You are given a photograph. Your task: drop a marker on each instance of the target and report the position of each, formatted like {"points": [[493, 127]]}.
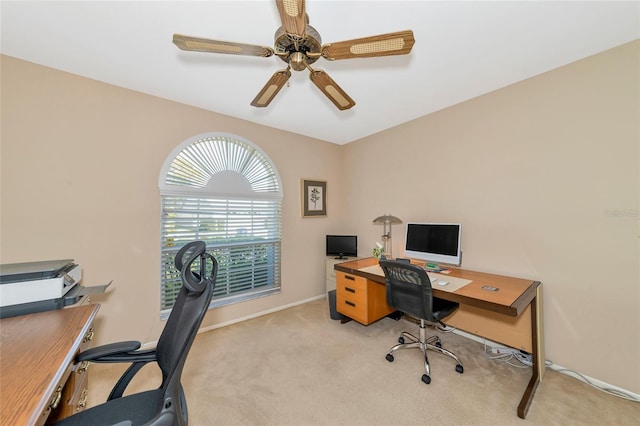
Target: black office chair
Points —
{"points": [[408, 290], [165, 405]]}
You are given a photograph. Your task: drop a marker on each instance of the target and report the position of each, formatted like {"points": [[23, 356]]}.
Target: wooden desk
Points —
{"points": [[37, 354], [512, 315]]}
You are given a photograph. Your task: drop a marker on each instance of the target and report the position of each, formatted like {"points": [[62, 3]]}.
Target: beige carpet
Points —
{"points": [[299, 367]]}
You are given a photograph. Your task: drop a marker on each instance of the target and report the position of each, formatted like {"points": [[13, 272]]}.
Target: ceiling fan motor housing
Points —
{"points": [[295, 51]]}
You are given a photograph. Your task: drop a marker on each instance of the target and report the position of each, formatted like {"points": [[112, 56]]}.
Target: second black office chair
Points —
{"points": [[165, 406], [408, 290]]}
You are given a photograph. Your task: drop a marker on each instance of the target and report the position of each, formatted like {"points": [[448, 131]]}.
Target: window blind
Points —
{"points": [[243, 235]]}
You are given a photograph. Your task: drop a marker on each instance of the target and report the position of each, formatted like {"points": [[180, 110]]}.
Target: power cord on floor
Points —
{"points": [[525, 361], [444, 327], [574, 374]]}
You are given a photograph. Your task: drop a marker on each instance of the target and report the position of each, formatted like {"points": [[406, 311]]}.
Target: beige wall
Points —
{"points": [[80, 167], [543, 175]]}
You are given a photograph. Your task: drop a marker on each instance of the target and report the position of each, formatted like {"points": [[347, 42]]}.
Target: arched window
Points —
{"points": [[222, 189]]}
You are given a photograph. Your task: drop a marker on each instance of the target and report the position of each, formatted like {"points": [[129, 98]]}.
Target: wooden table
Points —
{"points": [[512, 315], [37, 354]]}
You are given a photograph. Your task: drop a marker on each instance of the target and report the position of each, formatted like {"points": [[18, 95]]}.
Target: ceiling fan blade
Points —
{"points": [[217, 46], [271, 89], [329, 87], [398, 43], [293, 16]]}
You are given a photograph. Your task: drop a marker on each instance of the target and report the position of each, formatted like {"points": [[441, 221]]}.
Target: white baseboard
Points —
{"points": [[151, 345], [259, 314], [560, 369]]}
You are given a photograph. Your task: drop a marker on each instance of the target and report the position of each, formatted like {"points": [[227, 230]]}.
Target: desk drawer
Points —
{"points": [[54, 403], [354, 310], [350, 283], [353, 291], [351, 296], [360, 299], [75, 390]]}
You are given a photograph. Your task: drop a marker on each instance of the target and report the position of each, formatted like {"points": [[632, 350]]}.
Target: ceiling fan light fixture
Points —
{"points": [[297, 61]]}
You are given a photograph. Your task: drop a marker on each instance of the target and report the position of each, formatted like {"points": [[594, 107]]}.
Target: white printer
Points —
{"points": [[41, 286]]}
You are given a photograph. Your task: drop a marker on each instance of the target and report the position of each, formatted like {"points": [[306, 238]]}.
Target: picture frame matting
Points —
{"points": [[314, 198]]}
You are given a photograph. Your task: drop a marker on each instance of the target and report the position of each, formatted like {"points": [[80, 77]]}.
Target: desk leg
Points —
{"points": [[538, 358]]}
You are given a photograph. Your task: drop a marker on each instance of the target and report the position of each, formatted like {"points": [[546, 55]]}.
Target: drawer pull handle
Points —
{"points": [[350, 303], [88, 336], [55, 399], [83, 400], [82, 368], [350, 290], [349, 277]]}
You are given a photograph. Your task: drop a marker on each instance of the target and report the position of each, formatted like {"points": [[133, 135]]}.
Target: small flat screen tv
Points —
{"points": [[342, 246], [434, 242]]}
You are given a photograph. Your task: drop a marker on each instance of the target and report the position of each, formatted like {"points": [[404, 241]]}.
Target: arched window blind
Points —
{"points": [[225, 191]]}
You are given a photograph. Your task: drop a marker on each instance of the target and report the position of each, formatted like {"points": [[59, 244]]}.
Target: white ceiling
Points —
{"points": [[462, 50]]}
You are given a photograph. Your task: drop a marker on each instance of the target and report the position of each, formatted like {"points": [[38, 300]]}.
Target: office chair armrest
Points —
{"points": [[110, 350], [137, 357]]}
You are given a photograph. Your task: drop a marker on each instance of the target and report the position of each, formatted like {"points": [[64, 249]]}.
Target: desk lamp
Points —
{"points": [[387, 220]]}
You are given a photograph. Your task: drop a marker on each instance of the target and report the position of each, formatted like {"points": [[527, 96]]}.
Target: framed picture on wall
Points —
{"points": [[314, 198]]}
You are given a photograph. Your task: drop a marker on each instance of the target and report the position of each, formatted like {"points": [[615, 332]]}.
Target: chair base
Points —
{"points": [[423, 343]]}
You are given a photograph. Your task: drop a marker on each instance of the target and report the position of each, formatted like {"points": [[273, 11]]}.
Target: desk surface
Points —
{"points": [[512, 298], [36, 352]]}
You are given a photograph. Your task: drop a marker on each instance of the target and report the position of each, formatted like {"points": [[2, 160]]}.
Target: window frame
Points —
{"points": [[192, 176]]}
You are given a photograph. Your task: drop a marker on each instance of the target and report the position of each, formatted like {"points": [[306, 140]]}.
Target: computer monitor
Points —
{"points": [[434, 242], [342, 246]]}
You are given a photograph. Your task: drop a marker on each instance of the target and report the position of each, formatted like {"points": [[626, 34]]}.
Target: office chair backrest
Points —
{"points": [[408, 289], [187, 314]]}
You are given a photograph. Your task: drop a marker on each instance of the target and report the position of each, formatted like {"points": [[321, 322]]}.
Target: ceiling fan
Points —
{"points": [[299, 45]]}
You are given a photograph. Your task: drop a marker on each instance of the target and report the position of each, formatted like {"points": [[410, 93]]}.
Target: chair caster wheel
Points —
{"points": [[459, 369], [401, 340], [426, 379], [395, 315], [389, 357]]}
